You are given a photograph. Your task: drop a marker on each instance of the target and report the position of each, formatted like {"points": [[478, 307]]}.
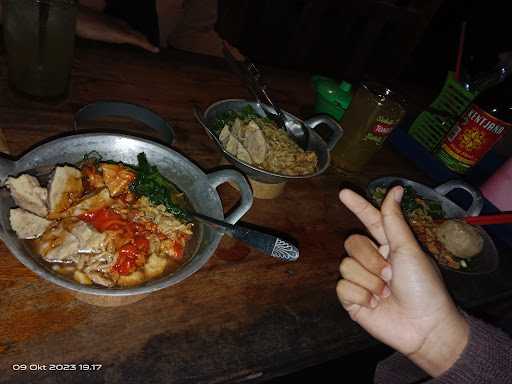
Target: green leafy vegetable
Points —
{"points": [[411, 201], [227, 118], [150, 183], [379, 194]]}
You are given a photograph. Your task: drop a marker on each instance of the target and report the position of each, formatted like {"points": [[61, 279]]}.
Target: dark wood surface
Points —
{"points": [[244, 316]]}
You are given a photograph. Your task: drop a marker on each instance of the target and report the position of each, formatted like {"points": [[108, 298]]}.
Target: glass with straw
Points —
{"points": [[39, 38]]}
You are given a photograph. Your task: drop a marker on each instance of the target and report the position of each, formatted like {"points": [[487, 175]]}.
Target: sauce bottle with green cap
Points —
{"points": [[331, 98]]}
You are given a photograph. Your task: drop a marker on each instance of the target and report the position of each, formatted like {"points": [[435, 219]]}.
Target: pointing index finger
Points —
{"points": [[367, 213]]}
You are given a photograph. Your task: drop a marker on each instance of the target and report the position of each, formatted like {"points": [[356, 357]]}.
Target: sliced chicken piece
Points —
{"points": [[101, 262], [63, 250], [224, 135], [58, 244], [26, 224], [91, 241], [237, 129], [92, 202], [232, 145], [255, 143], [65, 189], [236, 148], [117, 178], [28, 194], [243, 154]]}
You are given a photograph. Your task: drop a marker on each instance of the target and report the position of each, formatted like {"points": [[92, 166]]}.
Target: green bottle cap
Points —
{"points": [[331, 98], [333, 92], [345, 86]]}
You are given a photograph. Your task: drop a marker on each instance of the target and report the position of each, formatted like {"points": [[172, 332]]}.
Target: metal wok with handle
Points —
{"points": [[316, 143], [488, 260], [200, 189]]}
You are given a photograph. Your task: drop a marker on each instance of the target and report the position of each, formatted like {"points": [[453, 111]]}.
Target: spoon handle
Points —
{"points": [[251, 76], [500, 218], [268, 244]]}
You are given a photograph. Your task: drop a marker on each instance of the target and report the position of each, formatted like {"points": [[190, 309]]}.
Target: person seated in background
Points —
{"points": [[393, 290], [188, 25]]}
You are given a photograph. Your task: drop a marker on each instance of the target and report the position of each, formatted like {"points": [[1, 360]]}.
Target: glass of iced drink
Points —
{"points": [[39, 38], [374, 112]]}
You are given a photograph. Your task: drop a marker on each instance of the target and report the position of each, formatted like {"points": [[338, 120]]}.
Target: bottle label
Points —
{"points": [[471, 138], [379, 132]]}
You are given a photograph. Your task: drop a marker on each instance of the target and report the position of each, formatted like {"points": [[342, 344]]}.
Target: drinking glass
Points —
{"points": [[374, 112], [39, 39]]}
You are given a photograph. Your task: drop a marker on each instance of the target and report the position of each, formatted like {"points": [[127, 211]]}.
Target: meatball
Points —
{"points": [[460, 238]]}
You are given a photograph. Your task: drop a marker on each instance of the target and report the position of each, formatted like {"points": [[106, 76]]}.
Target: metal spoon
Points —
{"points": [[251, 77]]}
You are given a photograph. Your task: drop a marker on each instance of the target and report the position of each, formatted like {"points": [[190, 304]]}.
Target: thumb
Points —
{"points": [[399, 234]]}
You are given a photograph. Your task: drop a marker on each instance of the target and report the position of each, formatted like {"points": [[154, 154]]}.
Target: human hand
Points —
{"points": [[97, 26], [395, 291]]}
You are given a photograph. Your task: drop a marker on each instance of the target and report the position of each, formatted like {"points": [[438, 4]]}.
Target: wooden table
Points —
{"points": [[244, 315]]}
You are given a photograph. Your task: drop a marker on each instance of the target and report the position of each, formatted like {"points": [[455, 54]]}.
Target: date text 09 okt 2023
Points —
{"points": [[56, 367]]}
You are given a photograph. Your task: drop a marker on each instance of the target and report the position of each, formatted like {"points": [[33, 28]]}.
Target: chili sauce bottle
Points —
{"points": [[483, 124]]}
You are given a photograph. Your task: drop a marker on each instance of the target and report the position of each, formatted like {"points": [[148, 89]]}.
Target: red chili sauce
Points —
{"points": [[131, 255]]}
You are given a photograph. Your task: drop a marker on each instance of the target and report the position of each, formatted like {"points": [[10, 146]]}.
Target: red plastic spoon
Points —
{"points": [[500, 218]]}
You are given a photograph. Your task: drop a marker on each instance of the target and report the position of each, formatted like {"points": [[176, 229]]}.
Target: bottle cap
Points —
{"points": [[338, 94], [345, 86]]}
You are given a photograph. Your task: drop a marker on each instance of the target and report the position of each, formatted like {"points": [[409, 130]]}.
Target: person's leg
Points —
{"points": [[195, 31], [170, 13]]}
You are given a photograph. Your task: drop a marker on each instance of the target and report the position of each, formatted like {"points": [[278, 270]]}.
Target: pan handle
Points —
{"points": [[101, 109], [226, 175], [477, 201], [334, 127]]}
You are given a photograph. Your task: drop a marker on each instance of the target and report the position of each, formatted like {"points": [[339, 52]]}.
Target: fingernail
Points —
{"points": [[398, 193], [386, 273], [342, 194], [386, 292], [373, 302], [384, 251]]}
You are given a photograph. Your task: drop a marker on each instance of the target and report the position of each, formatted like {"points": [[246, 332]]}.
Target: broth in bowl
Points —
{"points": [[104, 223]]}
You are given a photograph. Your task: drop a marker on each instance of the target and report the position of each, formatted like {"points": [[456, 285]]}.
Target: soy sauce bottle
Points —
{"points": [[483, 124]]}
